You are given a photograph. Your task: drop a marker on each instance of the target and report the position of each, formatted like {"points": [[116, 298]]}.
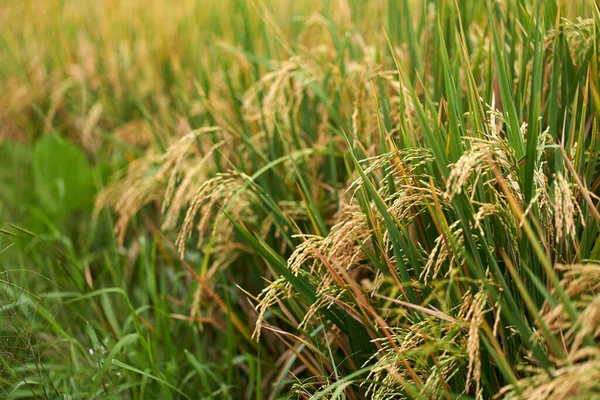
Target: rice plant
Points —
{"points": [[300, 199]]}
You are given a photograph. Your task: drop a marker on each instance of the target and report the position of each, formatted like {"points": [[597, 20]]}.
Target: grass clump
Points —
{"points": [[300, 199]]}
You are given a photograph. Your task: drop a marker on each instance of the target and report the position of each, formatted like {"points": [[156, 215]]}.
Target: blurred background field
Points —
{"points": [[294, 199]]}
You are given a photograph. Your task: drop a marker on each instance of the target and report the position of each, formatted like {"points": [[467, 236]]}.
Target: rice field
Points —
{"points": [[335, 199]]}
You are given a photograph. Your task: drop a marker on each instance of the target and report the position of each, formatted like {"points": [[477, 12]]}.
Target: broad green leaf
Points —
{"points": [[63, 177]]}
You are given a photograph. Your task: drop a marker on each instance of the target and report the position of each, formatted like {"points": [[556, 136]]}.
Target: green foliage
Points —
{"points": [[63, 178]]}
